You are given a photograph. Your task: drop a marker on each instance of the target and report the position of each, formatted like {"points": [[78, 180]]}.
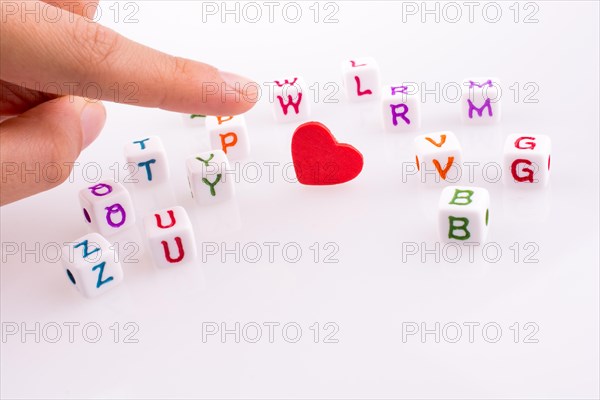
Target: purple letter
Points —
{"points": [[479, 110], [114, 209], [473, 84], [402, 114], [401, 89], [96, 189]]}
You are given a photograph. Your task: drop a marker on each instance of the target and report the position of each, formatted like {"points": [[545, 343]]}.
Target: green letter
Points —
{"points": [[462, 227], [212, 184], [206, 161], [464, 200]]}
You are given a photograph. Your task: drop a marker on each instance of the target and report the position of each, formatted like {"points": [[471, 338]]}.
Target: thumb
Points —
{"points": [[38, 147]]}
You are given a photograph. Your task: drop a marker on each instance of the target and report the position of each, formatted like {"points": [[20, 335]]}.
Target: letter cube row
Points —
{"points": [[438, 157]]}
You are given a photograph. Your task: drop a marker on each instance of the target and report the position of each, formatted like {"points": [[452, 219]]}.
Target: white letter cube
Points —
{"points": [[229, 134], [207, 177], [147, 160], [480, 101], [170, 237], [91, 265], [361, 79], [527, 160], [401, 111], [107, 207], [438, 154], [291, 100], [464, 214]]}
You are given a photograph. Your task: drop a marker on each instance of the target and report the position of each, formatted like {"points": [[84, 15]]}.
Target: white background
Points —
{"points": [[370, 294]]}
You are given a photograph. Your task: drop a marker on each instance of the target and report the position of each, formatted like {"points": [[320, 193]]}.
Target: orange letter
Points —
{"points": [[442, 141], [225, 144], [443, 172], [220, 119]]}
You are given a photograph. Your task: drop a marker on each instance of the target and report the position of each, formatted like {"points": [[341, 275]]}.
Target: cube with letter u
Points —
{"points": [[170, 237], [464, 214]]}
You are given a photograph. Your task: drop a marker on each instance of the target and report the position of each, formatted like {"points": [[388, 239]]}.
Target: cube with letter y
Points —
{"points": [[207, 177]]}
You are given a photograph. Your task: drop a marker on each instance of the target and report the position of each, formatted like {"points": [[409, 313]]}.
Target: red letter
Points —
{"points": [[513, 170], [159, 220], [290, 102], [358, 91], [354, 65], [530, 144], [168, 252]]}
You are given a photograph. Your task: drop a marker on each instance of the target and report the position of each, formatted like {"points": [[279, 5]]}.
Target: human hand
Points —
{"points": [[64, 56]]}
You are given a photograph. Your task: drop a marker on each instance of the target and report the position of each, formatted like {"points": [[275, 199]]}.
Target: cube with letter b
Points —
{"points": [[91, 265], [464, 214]]}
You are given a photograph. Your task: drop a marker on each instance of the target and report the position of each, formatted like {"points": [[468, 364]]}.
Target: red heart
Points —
{"points": [[320, 160]]}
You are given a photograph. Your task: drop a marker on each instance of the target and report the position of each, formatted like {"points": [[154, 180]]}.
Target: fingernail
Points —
{"points": [[244, 86], [93, 117]]}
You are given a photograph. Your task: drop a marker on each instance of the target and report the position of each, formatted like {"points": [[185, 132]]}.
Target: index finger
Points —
{"points": [[76, 53]]}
